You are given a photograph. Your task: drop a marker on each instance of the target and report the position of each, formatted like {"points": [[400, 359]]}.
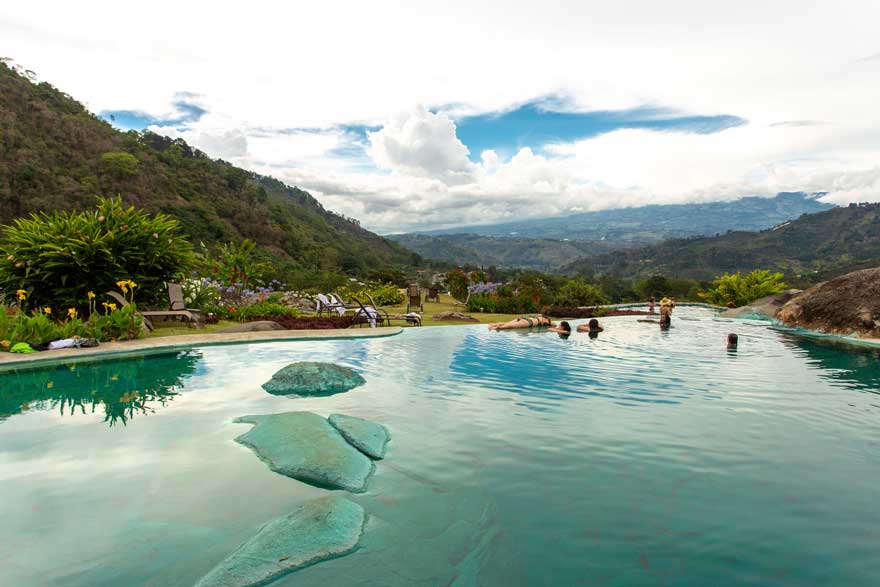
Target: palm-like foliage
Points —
{"points": [[59, 257], [735, 290]]}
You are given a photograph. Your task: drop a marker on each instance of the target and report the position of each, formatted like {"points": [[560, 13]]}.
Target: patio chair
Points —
{"points": [[329, 304], [176, 308], [414, 298], [433, 294], [372, 314]]}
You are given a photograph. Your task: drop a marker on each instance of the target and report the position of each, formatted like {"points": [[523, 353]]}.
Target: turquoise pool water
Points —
{"points": [[635, 458]]}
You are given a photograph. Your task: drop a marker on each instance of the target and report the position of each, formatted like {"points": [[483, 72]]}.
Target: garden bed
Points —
{"points": [[312, 322]]}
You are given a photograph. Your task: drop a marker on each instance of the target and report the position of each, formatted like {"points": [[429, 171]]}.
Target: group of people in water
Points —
{"points": [[593, 328]]}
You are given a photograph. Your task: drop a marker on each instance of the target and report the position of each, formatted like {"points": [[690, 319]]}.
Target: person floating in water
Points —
{"points": [[592, 326], [732, 341], [523, 322]]}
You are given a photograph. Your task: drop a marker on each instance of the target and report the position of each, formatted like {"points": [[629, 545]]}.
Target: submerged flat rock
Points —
{"points": [[311, 378], [306, 447], [324, 528], [368, 437]]}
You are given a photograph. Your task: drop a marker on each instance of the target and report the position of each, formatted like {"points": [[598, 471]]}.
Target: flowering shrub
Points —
{"points": [[248, 312], [483, 288], [45, 324], [457, 283], [505, 300]]}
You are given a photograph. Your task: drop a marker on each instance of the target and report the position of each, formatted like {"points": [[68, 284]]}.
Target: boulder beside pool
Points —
{"points": [[304, 446], [312, 378], [368, 437], [325, 528]]}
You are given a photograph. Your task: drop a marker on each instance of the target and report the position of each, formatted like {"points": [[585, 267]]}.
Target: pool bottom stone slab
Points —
{"points": [[368, 437], [325, 528], [313, 378], [304, 446]]}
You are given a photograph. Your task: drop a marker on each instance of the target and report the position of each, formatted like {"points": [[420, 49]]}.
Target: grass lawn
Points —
{"points": [[173, 328], [447, 302]]}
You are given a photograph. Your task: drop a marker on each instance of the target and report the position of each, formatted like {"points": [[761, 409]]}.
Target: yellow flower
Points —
{"points": [[112, 307], [132, 284], [71, 312], [105, 304], [4, 344], [47, 310], [22, 294], [91, 295], [123, 285]]}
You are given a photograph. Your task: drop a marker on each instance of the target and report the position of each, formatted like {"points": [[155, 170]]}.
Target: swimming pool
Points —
{"points": [[636, 458]]}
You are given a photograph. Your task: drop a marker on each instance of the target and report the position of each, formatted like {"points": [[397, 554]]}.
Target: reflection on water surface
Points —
{"points": [[121, 389]]}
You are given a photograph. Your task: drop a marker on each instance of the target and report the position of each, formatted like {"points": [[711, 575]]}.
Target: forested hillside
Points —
{"points": [[55, 155], [811, 248], [511, 252]]}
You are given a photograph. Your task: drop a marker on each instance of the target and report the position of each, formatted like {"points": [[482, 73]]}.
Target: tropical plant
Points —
{"points": [[239, 264], [578, 292], [384, 294], [735, 290], [58, 257]]}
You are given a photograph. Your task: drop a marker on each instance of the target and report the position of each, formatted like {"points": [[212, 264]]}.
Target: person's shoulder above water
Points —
{"points": [[591, 326], [563, 328]]}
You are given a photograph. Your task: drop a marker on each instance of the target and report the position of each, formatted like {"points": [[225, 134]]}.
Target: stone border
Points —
{"points": [[164, 344]]}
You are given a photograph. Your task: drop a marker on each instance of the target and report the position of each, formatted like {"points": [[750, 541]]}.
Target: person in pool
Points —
{"points": [[665, 310], [591, 327], [564, 329], [524, 322], [651, 303], [732, 341]]}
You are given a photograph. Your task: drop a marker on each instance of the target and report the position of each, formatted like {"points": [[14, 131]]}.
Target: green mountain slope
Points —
{"points": [[55, 155], [811, 248]]}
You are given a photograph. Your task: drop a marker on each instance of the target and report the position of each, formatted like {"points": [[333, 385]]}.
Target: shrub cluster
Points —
{"points": [[384, 294], [57, 258], [738, 290], [250, 312]]}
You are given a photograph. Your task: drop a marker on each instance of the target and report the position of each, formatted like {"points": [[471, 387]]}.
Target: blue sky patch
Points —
{"points": [[186, 111], [538, 122]]}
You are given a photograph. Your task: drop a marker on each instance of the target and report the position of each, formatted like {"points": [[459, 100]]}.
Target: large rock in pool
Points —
{"points": [[305, 446], [325, 528], [849, 304], [763, 308], [368, 437], [308, 378]]}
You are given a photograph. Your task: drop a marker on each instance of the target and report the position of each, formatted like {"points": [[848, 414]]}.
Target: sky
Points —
{"points": [[414, 115]]}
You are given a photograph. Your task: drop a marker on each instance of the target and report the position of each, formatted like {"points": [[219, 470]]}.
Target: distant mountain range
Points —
{"points": [[657, 222], [811, 248], [550, 243]]}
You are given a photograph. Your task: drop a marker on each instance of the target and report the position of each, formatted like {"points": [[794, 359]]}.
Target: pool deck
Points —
{"points": [[184, 342]]}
